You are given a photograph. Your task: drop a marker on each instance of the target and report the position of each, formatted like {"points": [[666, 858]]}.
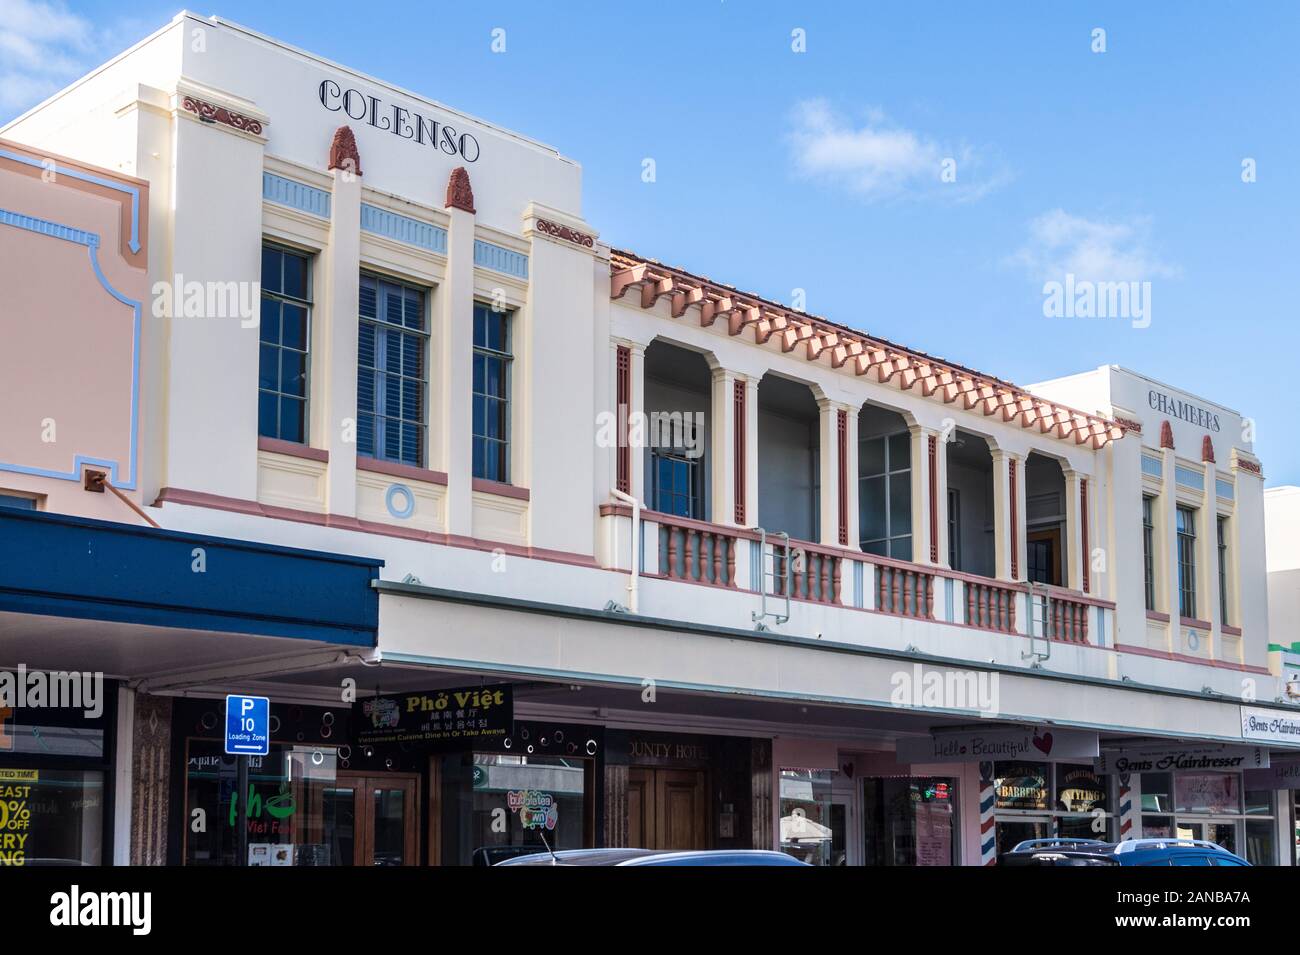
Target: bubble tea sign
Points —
{"points": [[537, 809]]}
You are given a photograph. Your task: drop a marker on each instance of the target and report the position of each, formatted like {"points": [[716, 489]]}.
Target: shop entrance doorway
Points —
{"points": [[667, 809], [373, 820], [1012, 830]]}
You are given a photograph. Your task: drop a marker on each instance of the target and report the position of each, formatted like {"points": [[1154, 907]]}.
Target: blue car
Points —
{"points": [[1144, 852], [1174, 852]]}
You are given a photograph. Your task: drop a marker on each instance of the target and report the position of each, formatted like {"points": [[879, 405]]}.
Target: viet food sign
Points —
{"points": [[435, 718]]}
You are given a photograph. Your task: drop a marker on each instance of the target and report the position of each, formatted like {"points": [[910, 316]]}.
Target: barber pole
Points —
{"points": [[1125, 807], [988, 842]]}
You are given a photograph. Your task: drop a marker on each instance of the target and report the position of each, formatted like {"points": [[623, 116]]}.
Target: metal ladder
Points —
{"points": [[774, 567]]}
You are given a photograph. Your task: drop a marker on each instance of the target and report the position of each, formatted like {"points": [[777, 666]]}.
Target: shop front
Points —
{"points": [[1229, 795], [56, 791], [845, 806], [682, 791], [370, 785]]}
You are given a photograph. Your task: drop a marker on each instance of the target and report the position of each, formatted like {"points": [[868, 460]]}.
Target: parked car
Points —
{"points": [[621, 857], [1143, 852], [1070, 852], [1175, 852]]}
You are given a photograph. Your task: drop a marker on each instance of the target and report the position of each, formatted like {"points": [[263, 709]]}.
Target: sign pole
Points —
{"points": [[241, 796]]}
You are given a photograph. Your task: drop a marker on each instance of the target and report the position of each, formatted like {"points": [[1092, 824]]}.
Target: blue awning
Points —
{"points": [[63, 566]]}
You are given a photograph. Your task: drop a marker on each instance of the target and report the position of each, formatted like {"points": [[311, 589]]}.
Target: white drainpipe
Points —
{"points": [[635, 565]]}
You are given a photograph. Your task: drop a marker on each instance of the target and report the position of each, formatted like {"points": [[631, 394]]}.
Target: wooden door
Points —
{"points": [[641, 825], [667, 809], [682, 816], [1045, 557], [384, 818]]}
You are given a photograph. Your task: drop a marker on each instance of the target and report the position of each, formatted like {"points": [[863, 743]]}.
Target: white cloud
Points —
{"points": [[1061, 244], [878, 161], [43, 47]]}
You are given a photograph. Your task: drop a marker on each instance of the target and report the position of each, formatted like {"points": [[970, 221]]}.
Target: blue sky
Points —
{"points": [[778, 170]]}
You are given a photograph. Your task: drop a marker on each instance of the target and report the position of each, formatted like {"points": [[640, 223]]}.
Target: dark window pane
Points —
{"points": [[271, 269], [900, 505], [366, 345], [901, 548], [293, 426], [480, 456], [294, 326], [268, 410], [295, 275], [269, 368], [872, 507], [269, 323], [872, 456], [412, 356], [293, 372], [366, 435], [366, 298], [900, 451]]}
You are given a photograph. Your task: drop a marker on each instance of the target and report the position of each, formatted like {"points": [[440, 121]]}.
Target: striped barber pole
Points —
{"points": [[988, 842], [1126, 806]]}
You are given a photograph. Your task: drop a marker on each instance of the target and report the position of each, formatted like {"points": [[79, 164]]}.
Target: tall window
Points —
{"points": [[885, 495], [392, 382], [1186, 562], [1223, 570], [286, 336], [1149, 550], [676, 484], [491, 393]]}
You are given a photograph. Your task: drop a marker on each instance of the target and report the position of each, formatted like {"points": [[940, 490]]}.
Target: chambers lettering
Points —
{"points": [[398, 120]]}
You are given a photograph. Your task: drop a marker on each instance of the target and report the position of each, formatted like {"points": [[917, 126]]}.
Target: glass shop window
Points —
{"points": [[51, 817], [1021, 785], [291, 819]]}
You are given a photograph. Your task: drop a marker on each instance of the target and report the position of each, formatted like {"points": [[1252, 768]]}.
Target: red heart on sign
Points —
{"points": [[1043, 743]]}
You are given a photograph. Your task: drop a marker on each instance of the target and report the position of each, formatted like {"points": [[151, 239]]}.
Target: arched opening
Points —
{"points": [[884, 483], [971, 539], [676, 431], [788, 458], [1045, 550]]}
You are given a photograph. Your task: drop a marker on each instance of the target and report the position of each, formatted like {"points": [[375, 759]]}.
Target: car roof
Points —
{"points": [[579, 857], [627, 857]]}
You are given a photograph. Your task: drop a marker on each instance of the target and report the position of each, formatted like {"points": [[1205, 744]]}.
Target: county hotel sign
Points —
{"points": [[363, 107]]}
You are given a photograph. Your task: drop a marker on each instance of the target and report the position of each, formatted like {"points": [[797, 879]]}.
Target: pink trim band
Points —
{"points": [[1184, 658], [484, 486], [292, 449], [174, 495], [394, 469]]}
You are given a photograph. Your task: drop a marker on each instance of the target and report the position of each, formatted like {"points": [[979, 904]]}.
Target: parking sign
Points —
{"points": [[248, 725]]}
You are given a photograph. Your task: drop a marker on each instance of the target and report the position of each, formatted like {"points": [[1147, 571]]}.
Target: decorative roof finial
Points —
{"points": [[343, 151], [460, 195], [1166, 435], [1207, 450]]}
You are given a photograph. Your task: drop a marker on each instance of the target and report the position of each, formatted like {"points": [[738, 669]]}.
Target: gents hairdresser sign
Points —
{"points": [[1031, 743], [1191, 756], [1269, 725], [363, 106], [435, 718]]}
